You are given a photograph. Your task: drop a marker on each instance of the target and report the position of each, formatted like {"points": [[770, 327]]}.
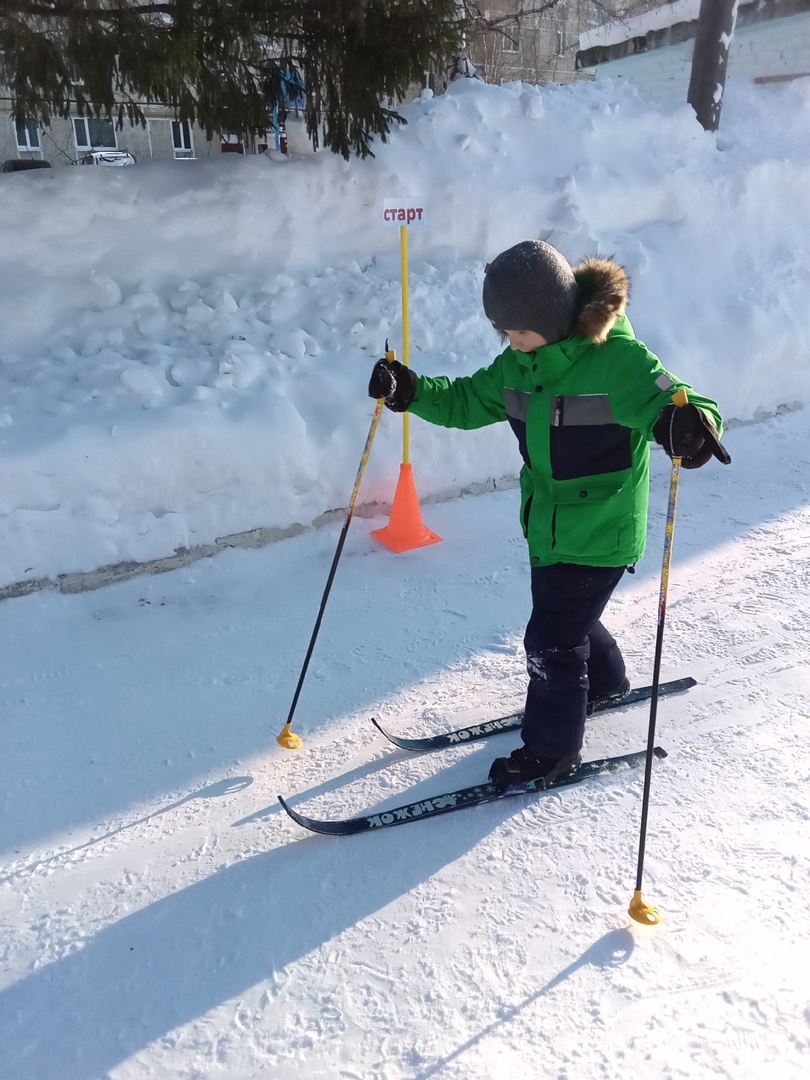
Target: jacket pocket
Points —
{"points": [[591, 515], [526, 496]]}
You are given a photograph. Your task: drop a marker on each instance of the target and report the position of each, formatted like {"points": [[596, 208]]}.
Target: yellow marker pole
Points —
{"points": [[638, 910], [406, 353], [405, 529]]}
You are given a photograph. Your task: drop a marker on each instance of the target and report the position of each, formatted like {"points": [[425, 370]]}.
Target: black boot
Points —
{"points": [[612, 697], [522, 765]]}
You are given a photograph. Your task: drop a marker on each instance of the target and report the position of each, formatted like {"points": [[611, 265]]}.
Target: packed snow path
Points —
{"points": [[161, 917]]}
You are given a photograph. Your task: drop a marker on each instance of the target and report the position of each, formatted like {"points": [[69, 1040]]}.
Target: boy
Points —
{"points": [[584, 398]]}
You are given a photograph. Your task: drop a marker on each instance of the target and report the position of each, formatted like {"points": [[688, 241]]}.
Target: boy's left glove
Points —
{"points": [[393, 382], [685, 431]]}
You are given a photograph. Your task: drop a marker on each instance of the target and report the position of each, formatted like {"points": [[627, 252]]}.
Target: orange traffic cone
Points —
{"points": [[405, 530]]}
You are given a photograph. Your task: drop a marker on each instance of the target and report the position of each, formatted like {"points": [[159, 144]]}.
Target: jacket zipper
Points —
{"points": [[556, 421]]}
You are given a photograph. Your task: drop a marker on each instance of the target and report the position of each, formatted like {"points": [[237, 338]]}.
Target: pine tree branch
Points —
{"points": [[224, 66]]}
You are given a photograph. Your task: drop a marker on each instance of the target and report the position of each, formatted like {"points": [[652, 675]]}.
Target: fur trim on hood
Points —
{"points": [[605, 290]]}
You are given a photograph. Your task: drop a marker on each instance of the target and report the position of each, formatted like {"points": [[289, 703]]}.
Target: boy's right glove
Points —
{"points": [[393, 382], [685, 431]]}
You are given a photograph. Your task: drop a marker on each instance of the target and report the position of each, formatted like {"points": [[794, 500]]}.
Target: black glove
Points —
{"points": [[685, 431], [394, 382]]}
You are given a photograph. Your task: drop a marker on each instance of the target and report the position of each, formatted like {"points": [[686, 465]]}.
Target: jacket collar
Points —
{"points": [[555, 361]]}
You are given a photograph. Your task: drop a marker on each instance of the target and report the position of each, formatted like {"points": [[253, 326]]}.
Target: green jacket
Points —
{"points": [[583, 414]]}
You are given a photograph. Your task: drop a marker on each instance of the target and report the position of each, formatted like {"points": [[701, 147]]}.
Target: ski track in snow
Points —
{"points": [[161, 917]]}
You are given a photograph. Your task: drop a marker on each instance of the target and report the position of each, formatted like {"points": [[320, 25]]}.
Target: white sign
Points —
{"points": [[404, 211]]}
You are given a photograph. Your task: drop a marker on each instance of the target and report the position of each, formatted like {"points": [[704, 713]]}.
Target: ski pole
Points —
{"points": [[287, 737], [638, 910]]}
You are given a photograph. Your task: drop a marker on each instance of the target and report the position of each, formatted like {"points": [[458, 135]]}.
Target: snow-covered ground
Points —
{"points": [[187, 358]]}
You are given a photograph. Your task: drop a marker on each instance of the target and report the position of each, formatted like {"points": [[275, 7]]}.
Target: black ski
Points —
{"points": [[464, 797], [514, 720]]}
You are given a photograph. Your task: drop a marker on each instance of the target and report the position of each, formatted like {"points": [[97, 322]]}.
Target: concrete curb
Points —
{"points": [[261, 536]]}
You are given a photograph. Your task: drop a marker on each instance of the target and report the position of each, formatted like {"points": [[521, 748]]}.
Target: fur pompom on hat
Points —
{"points": [[531, 286]]}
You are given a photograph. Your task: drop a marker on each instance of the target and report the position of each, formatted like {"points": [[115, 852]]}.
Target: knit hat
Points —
{"points": [[531, 286]]}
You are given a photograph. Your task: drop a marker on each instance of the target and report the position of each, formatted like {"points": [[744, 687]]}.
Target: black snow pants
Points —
{"points": [[568, 653]]}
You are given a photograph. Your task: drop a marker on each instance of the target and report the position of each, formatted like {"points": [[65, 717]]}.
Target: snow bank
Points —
{"points": [[185, 346]]}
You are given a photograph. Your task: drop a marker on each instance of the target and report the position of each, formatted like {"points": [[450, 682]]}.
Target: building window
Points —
{"points": [[27, 135], [94, 133], [231, 143], [510, 41], [181, 137]]}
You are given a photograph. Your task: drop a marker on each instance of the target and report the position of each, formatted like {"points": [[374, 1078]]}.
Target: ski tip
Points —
{"points": [[387, 734], [289, 810], [326, 828], [299, 819], [660, 752], [403, 744]]}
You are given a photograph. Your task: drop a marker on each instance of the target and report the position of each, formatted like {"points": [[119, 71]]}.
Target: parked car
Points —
{"points": [[108, 157], [21, 164]]}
